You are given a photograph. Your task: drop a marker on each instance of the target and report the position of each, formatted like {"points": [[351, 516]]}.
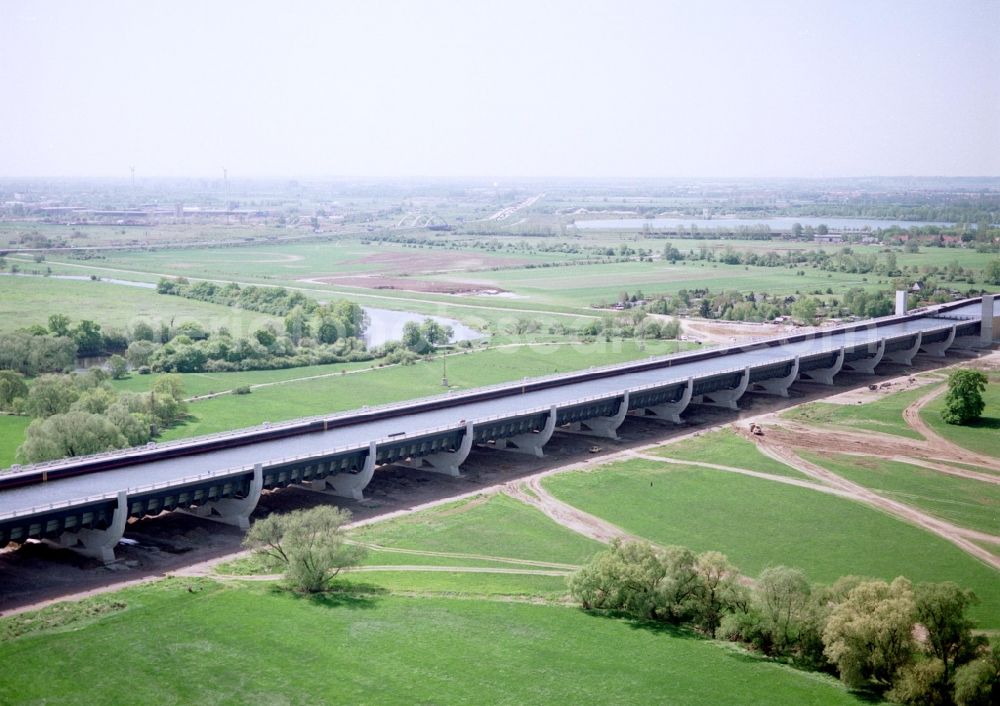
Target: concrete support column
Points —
{"points": [[445, 462], [989, 330], [905, 356], [900, 302], [234, 511], [938, 348], [347, 485], [825, 375], [867, 365], [727, 398], [779, 386], [99, 543], [606, 427], [531, 443], [671, 411]]}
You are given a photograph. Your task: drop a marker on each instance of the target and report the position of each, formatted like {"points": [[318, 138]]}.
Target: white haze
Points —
{"points": [[503, 88]]}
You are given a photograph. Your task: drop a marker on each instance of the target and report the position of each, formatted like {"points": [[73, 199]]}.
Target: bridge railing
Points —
{"points": [[138, 451]]}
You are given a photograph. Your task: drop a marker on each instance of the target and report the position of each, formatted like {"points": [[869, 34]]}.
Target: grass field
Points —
{"points": [[30, 300], [256, 645], [964, 502], [492, 526], [983, 436], [758, 523], [11, 436], [884, 414], [585, 284], [725, 448], [392, 384]]}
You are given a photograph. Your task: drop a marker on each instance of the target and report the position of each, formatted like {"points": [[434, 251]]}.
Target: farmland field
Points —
{"points": [[30, 300]]}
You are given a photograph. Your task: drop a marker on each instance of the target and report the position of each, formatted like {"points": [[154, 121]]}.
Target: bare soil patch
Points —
{"points": [[407, 284]]}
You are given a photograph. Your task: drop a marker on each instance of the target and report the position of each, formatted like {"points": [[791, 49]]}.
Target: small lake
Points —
{"points": [[781, 223], [387, 325]]}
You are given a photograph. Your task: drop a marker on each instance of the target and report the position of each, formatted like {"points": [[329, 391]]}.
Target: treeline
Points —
{"points": [[912, 644], [80, 413], [276, 301]]}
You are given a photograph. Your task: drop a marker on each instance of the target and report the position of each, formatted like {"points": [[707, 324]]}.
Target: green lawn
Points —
{"points": [[11, 436], [983, 436], [725, 448], [30, 300], [883, 414], [758, 523], [393, 384], [207, 383], [966, 503], [496, 526], [252, 644], [550, 588]]}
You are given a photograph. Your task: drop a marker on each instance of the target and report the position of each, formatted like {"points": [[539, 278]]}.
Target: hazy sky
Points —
{"points": [[506, 88]]}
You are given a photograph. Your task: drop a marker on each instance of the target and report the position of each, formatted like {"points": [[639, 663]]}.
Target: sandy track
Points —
{"points": [[958, 536], [532, 493], [478, 557], [912, 416]]}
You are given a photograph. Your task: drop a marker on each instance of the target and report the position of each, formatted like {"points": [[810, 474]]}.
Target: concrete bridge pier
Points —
{"points": [[347, 485], [447, 462], [825, 375], [905, 357], [671, 411], [233, 511], [727, 398], [98, 543], [989, 329], [606, 427], [531, 443], [779, 386], [938, 348], [868, 365]]}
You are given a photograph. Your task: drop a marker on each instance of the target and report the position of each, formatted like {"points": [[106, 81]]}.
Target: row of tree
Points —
{"points": [[914, 644], [80, 413]]}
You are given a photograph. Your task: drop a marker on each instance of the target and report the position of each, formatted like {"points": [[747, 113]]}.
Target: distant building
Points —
{"points": [[828, 238]]}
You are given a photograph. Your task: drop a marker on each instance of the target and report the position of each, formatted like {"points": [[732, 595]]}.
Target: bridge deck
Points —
{"points": [[165, 470]]}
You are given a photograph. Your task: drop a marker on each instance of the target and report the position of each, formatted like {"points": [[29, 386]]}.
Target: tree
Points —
{"points": [[166, 400], [991, 273], [978, 683], [869, 635], [782, 597], [139, 352], [12, 387], [118, 367], [941, 610], [413, 338], [87, 335], [71, 434], [297, 324], [804, 310], [718, 587], [59, 324], [964, 402], [308, 543], [50, 394], [434, 333]]}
